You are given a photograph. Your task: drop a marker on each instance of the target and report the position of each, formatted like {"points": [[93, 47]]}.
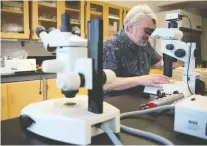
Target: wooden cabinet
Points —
{"points": [[76, 11], [15, 19], [21, 94], [114, 20], [156, 71], [96, 10], [4, 107], [52, 90], [46, 13], [125, 11]]}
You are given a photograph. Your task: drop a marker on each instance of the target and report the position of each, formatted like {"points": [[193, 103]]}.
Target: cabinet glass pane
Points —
{"points": [[47, 14], [12, 17], [74, 10], [96, 12], [114, 21], [96, 8]]}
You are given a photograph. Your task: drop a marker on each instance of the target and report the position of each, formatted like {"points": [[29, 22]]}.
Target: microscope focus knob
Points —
{"points": [[180, 53], [169, 46]]}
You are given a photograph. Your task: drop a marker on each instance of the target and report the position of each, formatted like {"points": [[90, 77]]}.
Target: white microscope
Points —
{"points": [[73, 120], [173, 48]]}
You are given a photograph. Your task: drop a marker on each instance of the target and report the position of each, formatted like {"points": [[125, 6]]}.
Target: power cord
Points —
{"points": [[110, 134], [137, 132], [189, 56]]}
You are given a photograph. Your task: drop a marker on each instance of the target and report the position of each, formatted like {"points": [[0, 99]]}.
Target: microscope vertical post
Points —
{"points": [[95, 51], [168, 60]]}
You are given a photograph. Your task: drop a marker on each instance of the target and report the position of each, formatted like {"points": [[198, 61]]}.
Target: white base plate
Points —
{"points": [[58, 120], [179, 86]]}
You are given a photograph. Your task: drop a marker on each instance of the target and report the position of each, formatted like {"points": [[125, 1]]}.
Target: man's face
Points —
{"points": [[137, 31]]}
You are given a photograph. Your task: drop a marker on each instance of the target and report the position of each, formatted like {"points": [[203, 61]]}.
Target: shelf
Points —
{"points": [[75, 23], [96, 13], [47, 20], [73, 10], [47, 5], [114, 17], [11, 11]]}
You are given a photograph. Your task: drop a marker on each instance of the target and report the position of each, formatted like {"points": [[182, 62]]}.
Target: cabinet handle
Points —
{"points": [[2, 100]]}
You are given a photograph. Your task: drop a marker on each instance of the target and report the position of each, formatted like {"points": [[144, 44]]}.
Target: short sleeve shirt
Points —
{"points": [[127, 59]]}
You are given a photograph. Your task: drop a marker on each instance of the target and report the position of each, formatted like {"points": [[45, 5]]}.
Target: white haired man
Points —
{"points": [[130, 55]]}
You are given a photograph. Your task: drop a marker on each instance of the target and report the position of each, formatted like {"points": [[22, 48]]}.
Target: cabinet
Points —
{"points": [[114, 19], [47, 14], [52, 90], [4, 107], [76, 11], [15, 19], [96, 10], [21, 94], [125, 11], [156, 71]]}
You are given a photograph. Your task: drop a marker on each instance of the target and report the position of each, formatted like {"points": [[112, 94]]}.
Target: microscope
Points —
{"points": [[174, 49], [75, 118]]}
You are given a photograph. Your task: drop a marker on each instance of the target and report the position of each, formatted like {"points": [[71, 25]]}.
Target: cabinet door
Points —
{"points": [[4, 107], [156, 71], [21, 94], [47, 14], [52, 90], [15, 19], [126, 10], [76, 11], [96, 10], [114, 20], [83, 91]]}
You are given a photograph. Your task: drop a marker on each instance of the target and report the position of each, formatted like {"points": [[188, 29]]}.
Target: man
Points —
{"points": [[130, 55]]}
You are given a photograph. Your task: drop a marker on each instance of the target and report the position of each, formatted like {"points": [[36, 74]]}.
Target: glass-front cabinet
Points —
{"points": [[114, 19], [45, 13], [15, 19], [76, 11]]}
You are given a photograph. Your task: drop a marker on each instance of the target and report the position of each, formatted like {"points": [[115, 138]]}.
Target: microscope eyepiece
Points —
{"points": [[50, 29], [39, 29]]}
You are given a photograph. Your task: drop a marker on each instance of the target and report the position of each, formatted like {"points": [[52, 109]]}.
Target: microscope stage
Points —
{"points": [[68, 119]]}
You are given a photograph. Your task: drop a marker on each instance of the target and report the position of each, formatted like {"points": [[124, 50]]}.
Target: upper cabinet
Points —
{"points": [[45, 13], [21, 18], [95, 10], [113, 19], [15, 19], [76, 11], [126, 10]]}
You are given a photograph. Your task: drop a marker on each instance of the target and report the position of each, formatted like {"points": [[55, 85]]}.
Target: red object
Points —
{"points": [[152, 105]]}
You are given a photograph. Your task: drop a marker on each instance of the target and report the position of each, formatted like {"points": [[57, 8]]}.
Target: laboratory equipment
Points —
{"points": [[174, 49], [74, 119]]}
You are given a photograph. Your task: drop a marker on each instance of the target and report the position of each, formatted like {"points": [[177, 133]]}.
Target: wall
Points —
{"points": [[13, 48]]}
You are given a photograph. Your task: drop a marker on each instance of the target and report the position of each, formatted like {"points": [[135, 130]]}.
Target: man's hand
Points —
{"points": [[178, 64], [153, 80]]}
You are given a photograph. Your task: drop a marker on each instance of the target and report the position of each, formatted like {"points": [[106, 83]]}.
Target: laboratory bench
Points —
{"points": [[158, 123], [23, 88], [26, 76]]}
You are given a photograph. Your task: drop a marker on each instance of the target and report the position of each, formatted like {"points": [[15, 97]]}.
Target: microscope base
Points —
{"points": [[179, 86], [68, 119]]}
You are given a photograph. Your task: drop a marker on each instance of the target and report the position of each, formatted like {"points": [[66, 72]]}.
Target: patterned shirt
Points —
{"points": [[127, 59]]}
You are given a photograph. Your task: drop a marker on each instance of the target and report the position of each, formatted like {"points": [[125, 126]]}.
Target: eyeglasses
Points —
{"points": [[148, 31]]}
